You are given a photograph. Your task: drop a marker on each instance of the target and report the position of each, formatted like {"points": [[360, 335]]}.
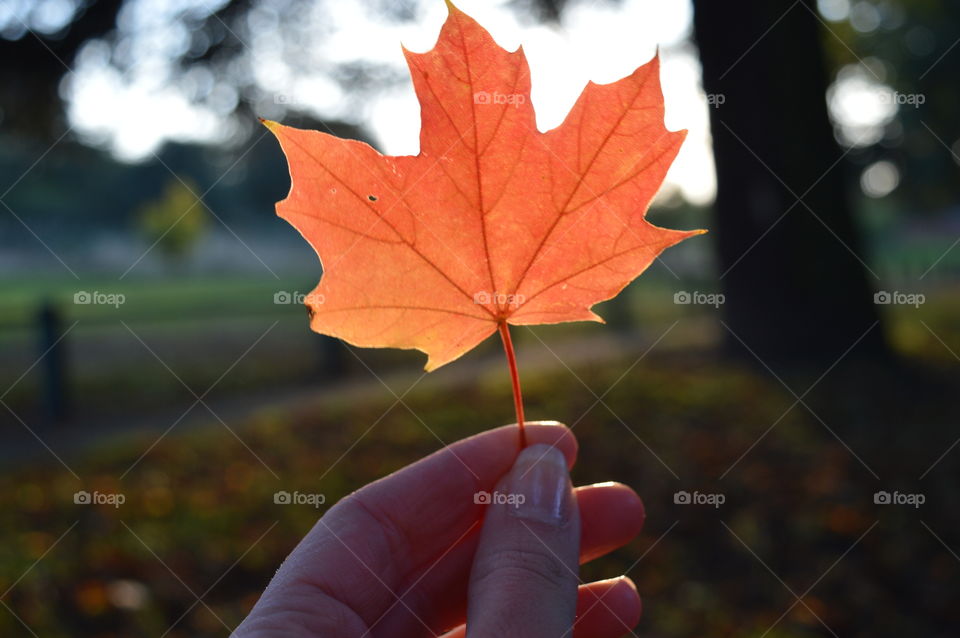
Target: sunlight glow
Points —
{"points": [[135, 111], [861, 105]]}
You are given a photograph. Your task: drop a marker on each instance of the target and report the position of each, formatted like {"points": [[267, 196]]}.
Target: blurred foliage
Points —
{"points": [[35, 55], [176, 221], [39, 46], [64, 195], [199, 512], [912, 47]]}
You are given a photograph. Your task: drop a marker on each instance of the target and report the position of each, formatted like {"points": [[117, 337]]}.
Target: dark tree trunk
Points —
{"points": [[796, 289]]}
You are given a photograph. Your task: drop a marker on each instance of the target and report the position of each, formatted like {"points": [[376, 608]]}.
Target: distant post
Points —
{"points": [[331, 359], [53, 385], [618, 313]]}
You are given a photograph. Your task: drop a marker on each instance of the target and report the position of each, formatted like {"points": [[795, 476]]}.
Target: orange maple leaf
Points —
{"points": [[493, 223]]}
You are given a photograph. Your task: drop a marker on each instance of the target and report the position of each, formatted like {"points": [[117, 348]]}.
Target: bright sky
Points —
{"points": [[596, 41], [134, 113]]}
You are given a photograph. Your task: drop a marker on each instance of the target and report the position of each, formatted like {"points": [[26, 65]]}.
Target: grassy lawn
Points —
{"points": [[798, 479], [199, 328], [680, 419]]}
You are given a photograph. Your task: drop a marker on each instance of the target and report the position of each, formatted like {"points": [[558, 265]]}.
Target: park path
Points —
{"points": [[73, 441]]}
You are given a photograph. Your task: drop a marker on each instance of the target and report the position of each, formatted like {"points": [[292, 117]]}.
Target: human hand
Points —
{"points": [[412, 554]]}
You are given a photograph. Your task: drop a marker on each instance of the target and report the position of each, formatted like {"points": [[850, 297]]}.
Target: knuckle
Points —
{"points": [[309, 612], [392, 535], [520, 568]]}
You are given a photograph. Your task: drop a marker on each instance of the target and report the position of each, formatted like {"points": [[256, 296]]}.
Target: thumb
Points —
{"points": [[524, 577]]}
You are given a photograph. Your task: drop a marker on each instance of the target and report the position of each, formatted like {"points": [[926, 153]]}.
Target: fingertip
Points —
{"points": [[634, 513], [627, 599], [609, 607], [631, 512], [552, 433], [547, 422], [612, 515]]}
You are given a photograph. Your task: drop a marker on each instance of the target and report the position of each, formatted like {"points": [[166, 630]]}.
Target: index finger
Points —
{"points": [[429, 504], [366, 547]]}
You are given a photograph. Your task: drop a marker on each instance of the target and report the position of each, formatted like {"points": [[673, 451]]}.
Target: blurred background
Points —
{"points": [[781, 391]]}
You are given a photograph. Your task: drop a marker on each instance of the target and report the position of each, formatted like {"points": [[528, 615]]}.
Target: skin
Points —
{"points": [[412, 554]]}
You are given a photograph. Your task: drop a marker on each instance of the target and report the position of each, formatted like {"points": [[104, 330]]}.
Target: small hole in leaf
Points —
{"points": [[372, 198]]}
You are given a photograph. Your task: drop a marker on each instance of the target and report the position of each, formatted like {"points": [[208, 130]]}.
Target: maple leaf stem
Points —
{"points": [[514, 378]]}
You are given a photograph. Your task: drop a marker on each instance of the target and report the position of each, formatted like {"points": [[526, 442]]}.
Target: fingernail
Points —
{"points": [[540, 476]]}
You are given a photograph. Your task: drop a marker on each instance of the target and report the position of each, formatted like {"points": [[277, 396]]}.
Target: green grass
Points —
{"points": [[681, 418], [678, 420], [166, 299], [200, 326]]}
